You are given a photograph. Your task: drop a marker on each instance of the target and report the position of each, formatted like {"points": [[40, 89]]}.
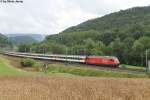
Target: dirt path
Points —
{"points": [[73, 88]]}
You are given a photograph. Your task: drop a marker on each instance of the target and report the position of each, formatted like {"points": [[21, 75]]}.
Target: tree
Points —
{"points": [[139, 49], [89, 45], [137, 31], [127, 48], [78, 50], [24, 48], [116, 47], [107, 37], [42, 48], [59, 49], [99, 49]]}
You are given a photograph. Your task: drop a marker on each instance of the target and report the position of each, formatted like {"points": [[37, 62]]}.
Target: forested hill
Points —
{"points": [[133, 22], [3, 41], [124, 34], [121, 21]]}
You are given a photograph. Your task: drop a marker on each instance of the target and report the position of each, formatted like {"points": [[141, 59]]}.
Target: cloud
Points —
{"points": [[107, 6], [53, 16]]}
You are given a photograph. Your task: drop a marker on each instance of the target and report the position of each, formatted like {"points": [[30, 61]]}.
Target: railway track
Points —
{"points": [[118, 69], [75, 62]]}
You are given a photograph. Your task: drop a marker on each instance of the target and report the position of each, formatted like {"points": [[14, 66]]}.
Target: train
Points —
{"points": [[92, 60]]}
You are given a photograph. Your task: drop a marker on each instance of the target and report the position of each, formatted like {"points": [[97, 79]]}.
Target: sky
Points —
{"points": [[54, 16]]}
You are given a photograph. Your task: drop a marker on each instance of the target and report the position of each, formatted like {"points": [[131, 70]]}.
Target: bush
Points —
{"points": [[38, 66], [27, 62]]}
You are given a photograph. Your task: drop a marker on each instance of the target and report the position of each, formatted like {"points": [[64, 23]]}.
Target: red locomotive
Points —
{"points": [[94, 60], [102, 60]]}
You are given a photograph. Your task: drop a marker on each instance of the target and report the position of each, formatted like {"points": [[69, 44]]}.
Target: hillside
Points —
{"points": [[37, 37], [124, 34], [21, 40], [117, 20], [3, 40], [6, 69], [134, 22], [24, 38]]}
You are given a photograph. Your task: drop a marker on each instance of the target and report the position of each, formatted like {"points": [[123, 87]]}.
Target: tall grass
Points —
{"points": [[73, 88]]}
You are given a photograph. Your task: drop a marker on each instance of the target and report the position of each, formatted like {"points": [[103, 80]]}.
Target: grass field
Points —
{"points": [[9, 70], [84, 71], [133, 67], [73, 88], [12, 68]]}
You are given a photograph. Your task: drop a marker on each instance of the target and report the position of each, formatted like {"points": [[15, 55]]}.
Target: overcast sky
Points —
{"points": [[53, 16]]}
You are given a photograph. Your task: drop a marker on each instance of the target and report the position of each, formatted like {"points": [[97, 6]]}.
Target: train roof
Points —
{"points": [[104, 56], [50, 55], [59, 55]]}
